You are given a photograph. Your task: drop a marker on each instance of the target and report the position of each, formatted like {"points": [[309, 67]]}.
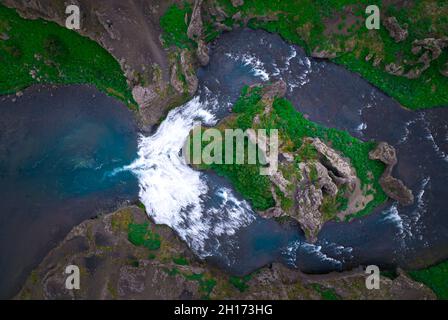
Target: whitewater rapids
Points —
{"points": [[176, 195]]}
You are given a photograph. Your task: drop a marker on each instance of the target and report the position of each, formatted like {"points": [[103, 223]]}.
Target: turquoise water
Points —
{"points": [[58, 147]]}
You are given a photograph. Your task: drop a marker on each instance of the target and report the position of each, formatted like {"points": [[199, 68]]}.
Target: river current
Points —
{"points": [[220, 226]]}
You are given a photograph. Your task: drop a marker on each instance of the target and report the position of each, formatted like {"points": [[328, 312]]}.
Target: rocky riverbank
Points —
{"points": [[115, 264]]}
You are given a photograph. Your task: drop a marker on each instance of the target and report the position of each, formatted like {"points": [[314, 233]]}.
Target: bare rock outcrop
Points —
{"points": [[323, 54], [340, 167], [276, 89], [237, 3], [324, 180], [194, 31], [309, 198], [393, 187], [397, 32], [203, 53], [428, 49]]}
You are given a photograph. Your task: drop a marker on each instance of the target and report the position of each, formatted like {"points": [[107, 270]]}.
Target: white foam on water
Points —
{"points": [[292, 249], [299, 80], [409, 226], [173, 193], [256, 65], [435, 146], [361, 127]]}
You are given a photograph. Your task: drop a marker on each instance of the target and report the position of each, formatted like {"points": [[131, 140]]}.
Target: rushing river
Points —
{"points": [[66, 152], [218, 225]]}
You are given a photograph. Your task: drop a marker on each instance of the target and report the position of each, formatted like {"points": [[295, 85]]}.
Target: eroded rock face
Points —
{"points": [[189, 72], [309, 198], [324, 180], [333, 160], [395, 30], [203, 53], [393, 187], [195, 27]]}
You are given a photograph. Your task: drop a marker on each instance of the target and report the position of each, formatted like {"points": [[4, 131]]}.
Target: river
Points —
{"points": [[52, 179]]}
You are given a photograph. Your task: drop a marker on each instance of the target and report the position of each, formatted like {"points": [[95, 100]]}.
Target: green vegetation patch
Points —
{"points": [[38, 51], [435, 277], [326, 293], [142, 235], [182, 261], [240, 283], [174, 24]]}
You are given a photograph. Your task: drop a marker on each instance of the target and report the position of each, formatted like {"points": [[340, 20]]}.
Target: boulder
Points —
{"points": [[429, 49], [444, 71], [393, 187], [385, 153], [396, 190]]}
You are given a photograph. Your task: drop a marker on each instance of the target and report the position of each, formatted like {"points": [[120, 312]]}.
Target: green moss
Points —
{"points": [[174, 26], [326, 293], [206, 284], [180, 261], [55, 55], [240, 283], [142, 235], [435, 277]]}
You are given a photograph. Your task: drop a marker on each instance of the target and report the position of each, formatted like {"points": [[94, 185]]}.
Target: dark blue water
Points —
{"points": [[58, 147]]}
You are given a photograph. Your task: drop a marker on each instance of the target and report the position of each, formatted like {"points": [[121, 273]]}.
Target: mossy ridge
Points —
{"points": [[39, 51]]}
